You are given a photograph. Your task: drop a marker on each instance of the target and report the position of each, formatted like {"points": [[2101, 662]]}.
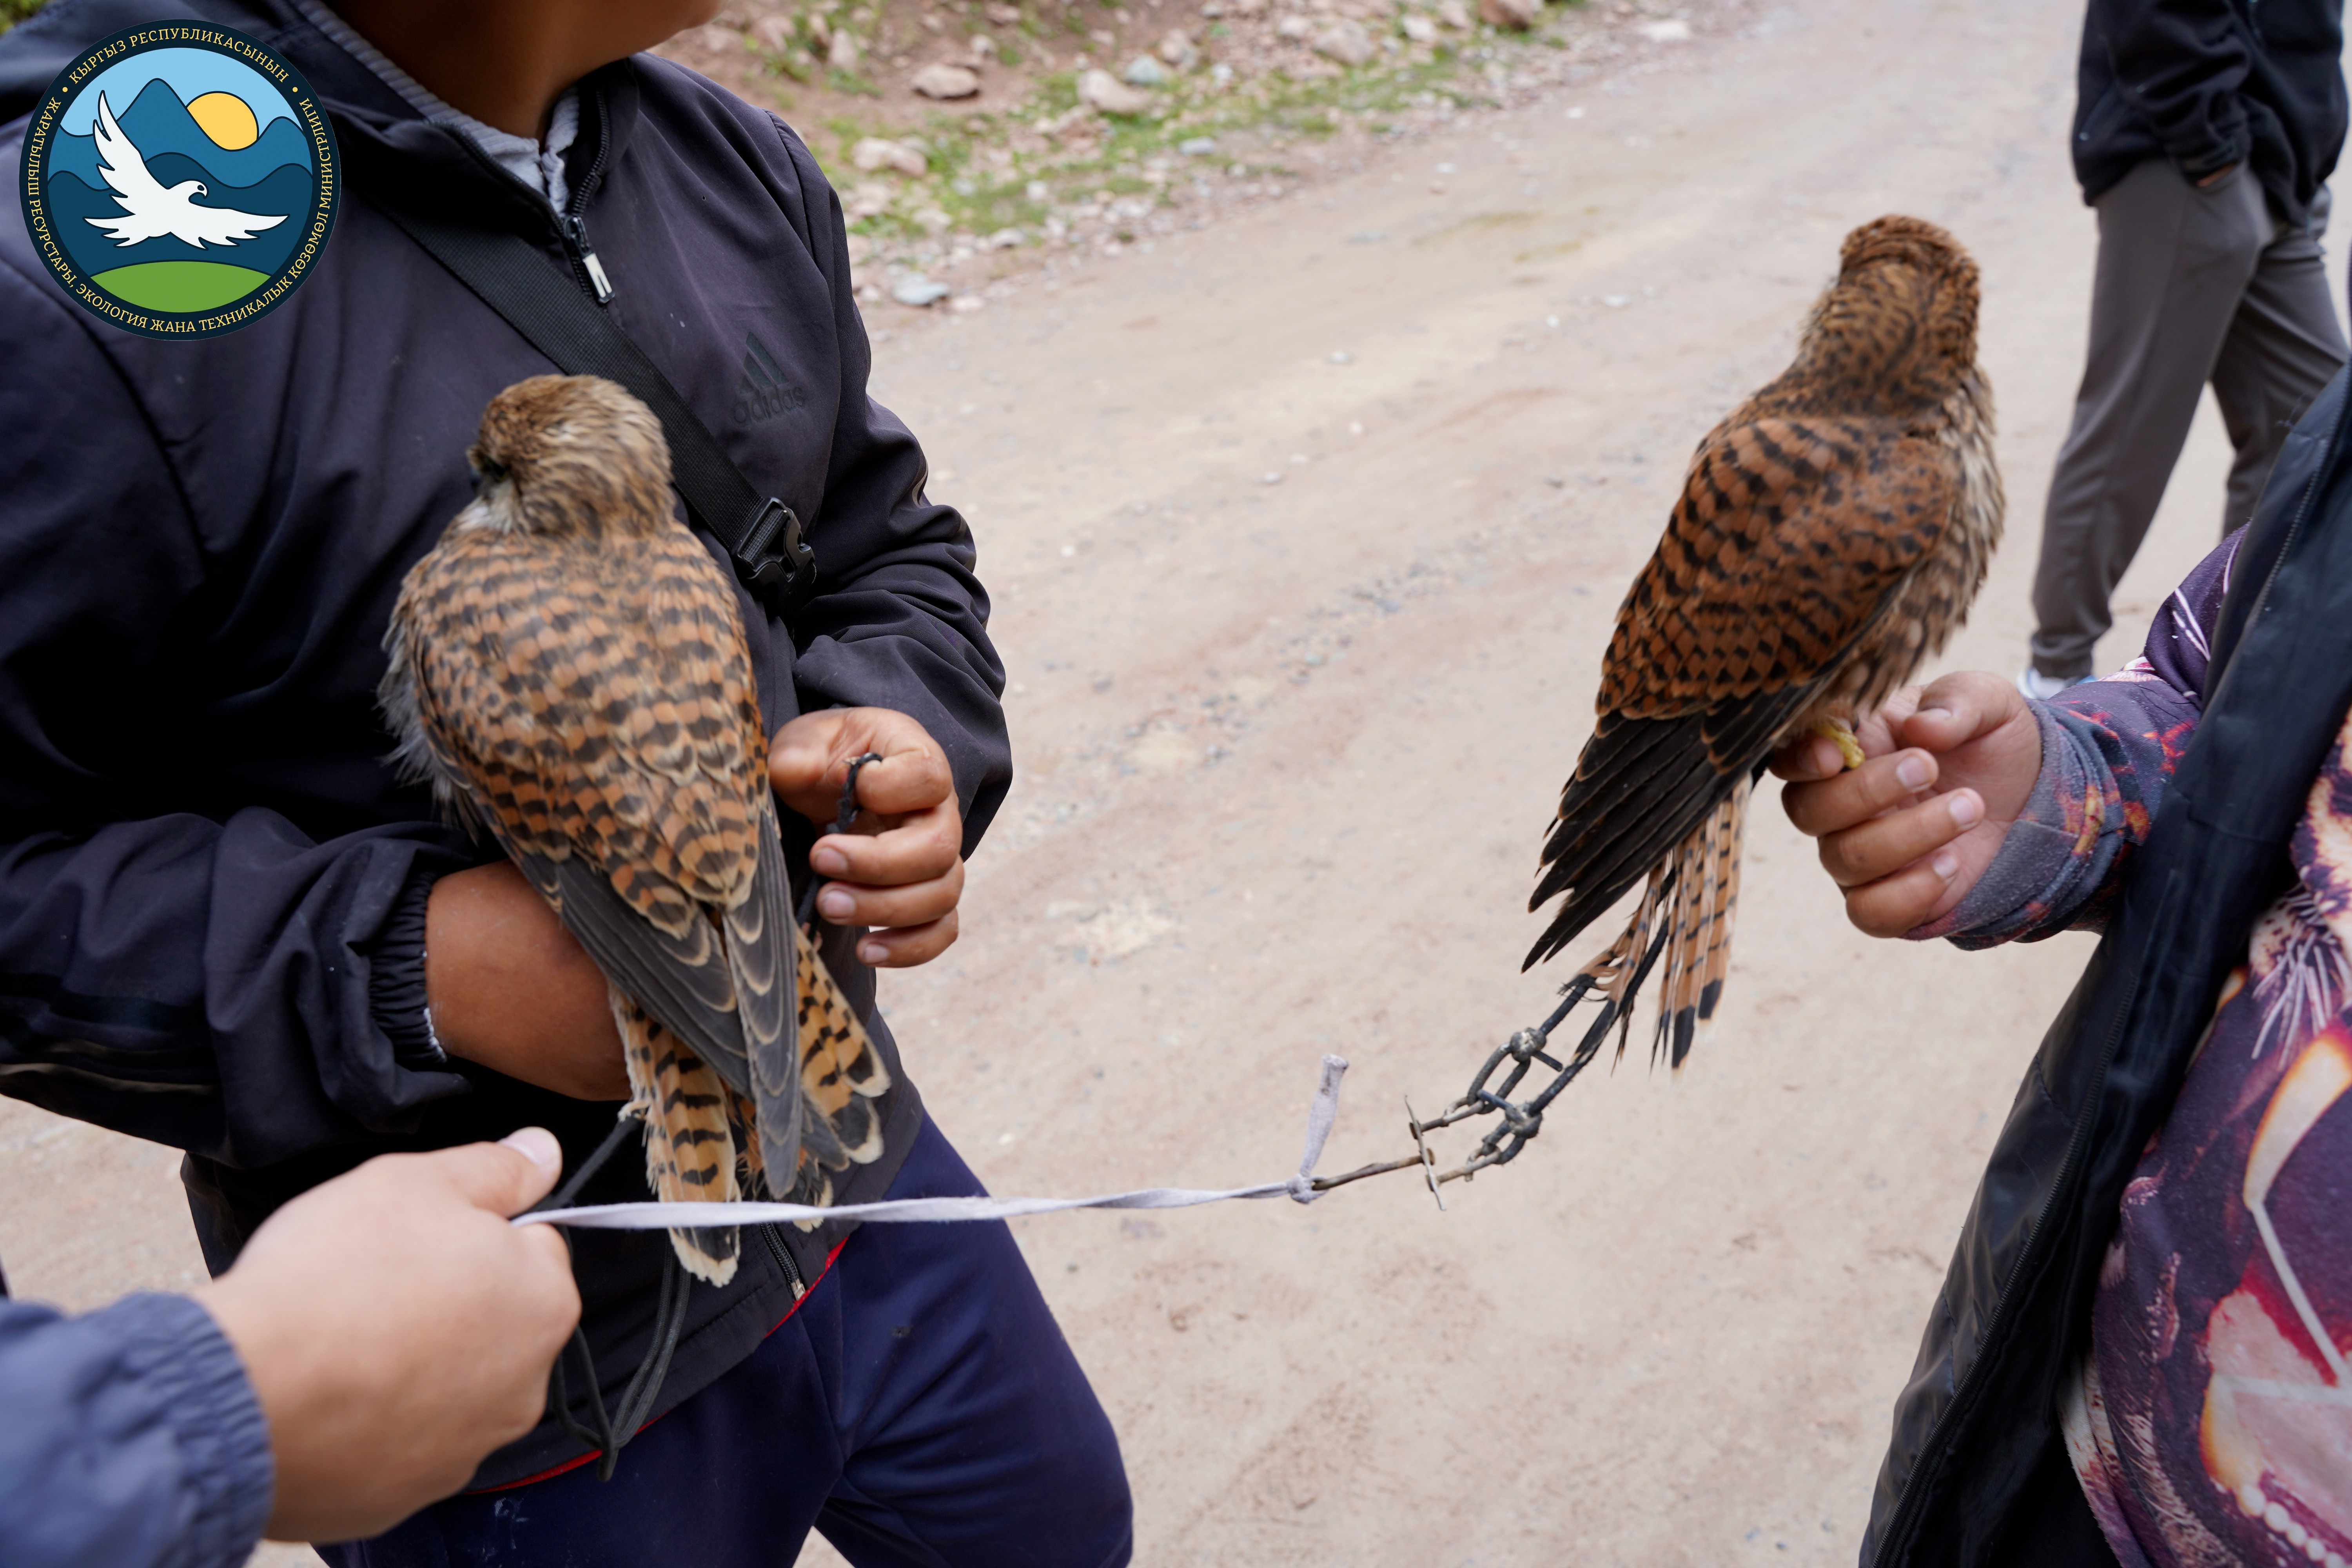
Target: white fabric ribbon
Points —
{"points": [[902, 1211]]}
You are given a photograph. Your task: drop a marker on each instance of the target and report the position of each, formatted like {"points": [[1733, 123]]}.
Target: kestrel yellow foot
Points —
{"points": [[1839, 730]]}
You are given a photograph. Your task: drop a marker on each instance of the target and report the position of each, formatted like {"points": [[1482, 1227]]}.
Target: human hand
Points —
{"points": [[396, 1329], [1909, 832], [511, 989], [903, 874]]}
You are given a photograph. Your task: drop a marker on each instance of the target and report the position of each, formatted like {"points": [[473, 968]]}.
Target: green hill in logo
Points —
{"points": [[180, 286]]}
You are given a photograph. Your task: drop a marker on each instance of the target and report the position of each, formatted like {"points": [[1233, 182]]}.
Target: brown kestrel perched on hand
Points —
{"points": [[569, 669], [1830, 536]]}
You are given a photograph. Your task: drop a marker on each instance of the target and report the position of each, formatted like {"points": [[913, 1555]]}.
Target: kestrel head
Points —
{"points": [[570, 457], [1897, 332]]}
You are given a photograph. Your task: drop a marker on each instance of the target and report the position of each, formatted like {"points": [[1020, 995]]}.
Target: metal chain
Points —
{"points": [[1516, 1057]]}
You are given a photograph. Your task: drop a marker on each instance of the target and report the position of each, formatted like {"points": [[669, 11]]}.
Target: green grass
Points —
{"points": [[182, 286]]}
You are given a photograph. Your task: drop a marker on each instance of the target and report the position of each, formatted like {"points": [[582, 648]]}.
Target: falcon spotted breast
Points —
{"points": [[1830, 536], [570, 671]]}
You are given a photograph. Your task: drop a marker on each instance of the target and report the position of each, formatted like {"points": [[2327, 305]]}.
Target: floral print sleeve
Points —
{"points": [[2108, 751]]}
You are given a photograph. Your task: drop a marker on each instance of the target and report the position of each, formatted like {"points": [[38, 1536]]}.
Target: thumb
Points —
{"points": [[1960, 708], [505, 1177]]}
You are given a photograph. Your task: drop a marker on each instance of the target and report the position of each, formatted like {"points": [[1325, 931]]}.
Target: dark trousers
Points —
{"points": [[2193, 285], [919, 1408]]}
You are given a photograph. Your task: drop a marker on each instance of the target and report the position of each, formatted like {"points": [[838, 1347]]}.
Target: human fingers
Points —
{"points": [[505, 1177], [1835, 805], [920, 846], [1902, 903], [1814, 756], [1883, 845], [1962, 707], [809, 761], [907, 946], [915, 903]]}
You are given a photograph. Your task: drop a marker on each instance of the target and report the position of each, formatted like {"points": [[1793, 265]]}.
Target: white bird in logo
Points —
{"points": [[154, 211]]}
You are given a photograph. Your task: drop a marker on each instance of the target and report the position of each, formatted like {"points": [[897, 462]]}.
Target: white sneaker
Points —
{"points": [[2041, 688]]}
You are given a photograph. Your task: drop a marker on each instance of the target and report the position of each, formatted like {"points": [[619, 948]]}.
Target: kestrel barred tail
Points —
{"points": [[1830, 536], [569, 669]]}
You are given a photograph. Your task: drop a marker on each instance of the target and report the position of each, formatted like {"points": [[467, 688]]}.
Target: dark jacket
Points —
{"points": [[132, 1439], [1977, 1473], [212, 884], [2208, 83]]}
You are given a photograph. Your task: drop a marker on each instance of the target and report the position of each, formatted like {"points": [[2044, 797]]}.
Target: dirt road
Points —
{"points": [[1305, 531]]}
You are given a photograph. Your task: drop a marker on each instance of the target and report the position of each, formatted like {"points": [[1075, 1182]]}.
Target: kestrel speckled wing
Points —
{"points": [[1830, 535], [569, 667]]}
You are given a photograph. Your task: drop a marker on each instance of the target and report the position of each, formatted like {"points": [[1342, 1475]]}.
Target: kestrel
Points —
{"points": [[1830, 536], [570, 671]]}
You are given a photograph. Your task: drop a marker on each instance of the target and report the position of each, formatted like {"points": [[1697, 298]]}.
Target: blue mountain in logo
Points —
{"points": [[158, 122], [286, 190]]}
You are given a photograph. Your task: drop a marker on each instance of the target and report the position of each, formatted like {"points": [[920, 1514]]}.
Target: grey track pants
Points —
{"points": [[2193, 286]]}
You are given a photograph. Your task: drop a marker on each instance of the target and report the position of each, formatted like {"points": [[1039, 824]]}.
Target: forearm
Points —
{"points": [[210, 985]]}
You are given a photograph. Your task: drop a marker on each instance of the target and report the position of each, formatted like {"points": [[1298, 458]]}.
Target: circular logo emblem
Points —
{"points": [[180, 180]]}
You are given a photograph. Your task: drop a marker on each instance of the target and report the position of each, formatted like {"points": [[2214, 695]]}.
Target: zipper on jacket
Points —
{"points": [[571, 223], [783, 1256], [575, 230]]}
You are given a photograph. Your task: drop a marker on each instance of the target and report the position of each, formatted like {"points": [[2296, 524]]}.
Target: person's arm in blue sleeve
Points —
{"points": [[380, 1335], [212, 983], [132, 1439]]}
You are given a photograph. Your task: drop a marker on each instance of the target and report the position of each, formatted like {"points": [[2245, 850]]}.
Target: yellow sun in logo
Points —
{"points": [[226, 119]]}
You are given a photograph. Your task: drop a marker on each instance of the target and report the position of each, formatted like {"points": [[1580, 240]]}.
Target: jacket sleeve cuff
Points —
{"points": [[396, 994], [200, 1389]]}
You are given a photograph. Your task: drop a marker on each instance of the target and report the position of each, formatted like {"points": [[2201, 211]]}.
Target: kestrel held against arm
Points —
{"points": [[273, 952]]}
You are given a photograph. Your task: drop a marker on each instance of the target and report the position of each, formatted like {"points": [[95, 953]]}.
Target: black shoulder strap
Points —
{"points": [[760, 532]]}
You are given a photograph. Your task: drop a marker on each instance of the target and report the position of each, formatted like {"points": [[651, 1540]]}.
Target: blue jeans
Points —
{"points": [[920, 1406]]}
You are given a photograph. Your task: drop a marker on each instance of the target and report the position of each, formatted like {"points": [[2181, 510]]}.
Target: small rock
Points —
{"points": [[965, 304], [1669, 32], [772, 32], [820, 29], [1038, 191], [918, 291], [875, 153], [983, 50], [1419, 29], [1101, 90], [1144, 72], [1293, 27], [1004, 239], [951, 81], [1004, 15], [1368, 237], [1271, 476], [1221, 74], [1341, 356], [1213, 9], [1616, 301], [1451, 13], [1519, 15], [1346, 42], [871, 199], [1179, 51], [842, 54], [1197, 146]]}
